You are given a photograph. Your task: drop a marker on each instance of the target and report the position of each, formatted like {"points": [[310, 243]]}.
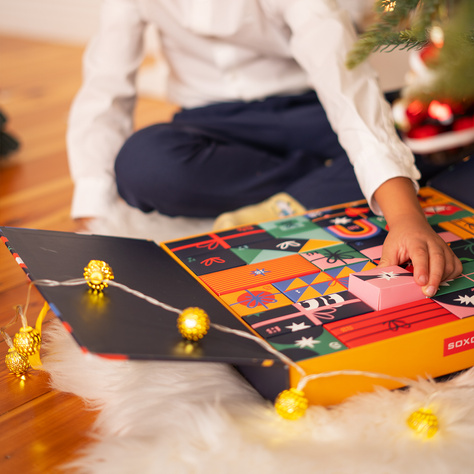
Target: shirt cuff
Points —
{"points": [[93, 197], [372, 173]]}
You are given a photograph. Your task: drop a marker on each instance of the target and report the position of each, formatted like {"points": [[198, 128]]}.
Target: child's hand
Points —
{"points": [[412, 238], [433, 261]]}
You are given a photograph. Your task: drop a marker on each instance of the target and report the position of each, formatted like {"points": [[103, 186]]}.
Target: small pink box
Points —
{"points": [[383, 288]]}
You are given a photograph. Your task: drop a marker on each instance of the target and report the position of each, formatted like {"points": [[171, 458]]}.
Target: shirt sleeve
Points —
{"points": [[321, 37], [101, 116]]}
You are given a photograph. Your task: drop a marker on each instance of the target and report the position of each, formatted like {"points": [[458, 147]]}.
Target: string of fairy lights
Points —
{"points": [[193, 324]]}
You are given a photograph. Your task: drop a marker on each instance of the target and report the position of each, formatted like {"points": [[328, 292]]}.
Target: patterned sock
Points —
{"points": [[278, 206]]}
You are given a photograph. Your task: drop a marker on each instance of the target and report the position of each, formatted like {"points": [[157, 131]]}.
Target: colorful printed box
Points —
{"points": [[460, 303], [347, 229], [464, 250], [385, 287], [333, 280], [444, 212], [430, 197], [462, 282], [260, 298], [257, 274], [358, 210], [335, 256], [283, 320], [205, 243], [314, 312], [299, 227], [370, 248], [211, 262], [388, 323], [333, 307], [261, 251], [462, 227], [307, 343]]}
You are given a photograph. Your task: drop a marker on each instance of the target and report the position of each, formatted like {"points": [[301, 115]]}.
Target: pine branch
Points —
{"points": [[399, 24]]}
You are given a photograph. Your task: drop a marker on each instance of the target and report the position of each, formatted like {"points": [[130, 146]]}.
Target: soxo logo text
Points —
{"points": [[460, 343]]}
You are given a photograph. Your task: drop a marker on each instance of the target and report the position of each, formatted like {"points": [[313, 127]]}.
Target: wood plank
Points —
{"points": [[40, 428], [39, 437]]}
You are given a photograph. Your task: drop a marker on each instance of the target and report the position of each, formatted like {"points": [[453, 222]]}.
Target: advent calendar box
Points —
{"points": [[263, 280]]}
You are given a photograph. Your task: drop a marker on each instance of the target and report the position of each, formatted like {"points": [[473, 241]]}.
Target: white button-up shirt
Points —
{"points": [[225, 50]]}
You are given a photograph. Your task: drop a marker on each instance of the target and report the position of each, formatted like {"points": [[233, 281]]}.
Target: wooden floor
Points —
{"points": [[40, 429]]}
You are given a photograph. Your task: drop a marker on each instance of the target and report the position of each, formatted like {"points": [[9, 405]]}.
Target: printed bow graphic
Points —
{"points": [[208, 245], [396, 324], [209, 261], [258, 298], [287, 244], [326, 314], [335, 256]]}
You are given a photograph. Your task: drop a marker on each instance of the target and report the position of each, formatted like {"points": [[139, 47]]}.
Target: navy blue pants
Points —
{"points": [[217, 158], [220, 157]]}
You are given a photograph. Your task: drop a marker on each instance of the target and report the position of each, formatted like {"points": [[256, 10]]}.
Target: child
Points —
{"points": [[272, 123]]}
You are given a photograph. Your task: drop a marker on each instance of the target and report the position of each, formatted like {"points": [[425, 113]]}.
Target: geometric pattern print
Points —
{"points": [[332, 280]]}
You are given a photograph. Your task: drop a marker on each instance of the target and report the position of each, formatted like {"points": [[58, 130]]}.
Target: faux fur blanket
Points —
{"points": [[193, 418]]}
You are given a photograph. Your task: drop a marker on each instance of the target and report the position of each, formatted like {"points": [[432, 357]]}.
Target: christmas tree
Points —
{"points": [[436, 110]]}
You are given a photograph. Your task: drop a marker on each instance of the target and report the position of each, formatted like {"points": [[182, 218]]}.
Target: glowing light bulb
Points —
{"points": [[423, 422], [193, 323], [98, 274], [291, 404]]}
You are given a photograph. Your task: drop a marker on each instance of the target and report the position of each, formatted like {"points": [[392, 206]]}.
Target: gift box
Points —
{"points": [[269, 249], [388, 323], [445, 212], [347, 229], [335, 256], [215, 261], [306, 343], [250, 300], [256, 274], [325, 216], [463, 249], [459, 303], [314, 312], [304, 287], [430, 197], [385, 287], [299, 227], [462, 282], [464, 228], [205, 243]]}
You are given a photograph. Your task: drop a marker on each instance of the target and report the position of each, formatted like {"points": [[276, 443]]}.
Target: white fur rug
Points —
{"points": [[193, 418]]}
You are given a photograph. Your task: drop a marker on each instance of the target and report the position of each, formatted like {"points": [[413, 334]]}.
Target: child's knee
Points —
{"points": [[153, 170]]}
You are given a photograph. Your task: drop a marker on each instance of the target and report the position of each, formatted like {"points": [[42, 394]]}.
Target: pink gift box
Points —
{"points": [[386, 287]]}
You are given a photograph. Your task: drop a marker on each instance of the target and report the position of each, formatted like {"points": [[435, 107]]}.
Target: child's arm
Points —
{"points": [[412, 238]]}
